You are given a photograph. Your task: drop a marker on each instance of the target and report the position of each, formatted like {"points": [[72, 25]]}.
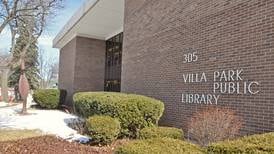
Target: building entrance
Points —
{"points": [[113, 63]]}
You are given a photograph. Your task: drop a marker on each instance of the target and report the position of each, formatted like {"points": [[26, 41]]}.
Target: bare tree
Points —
{"points": [[9, 11], [32, 18], [48, 69], [12, 10]]}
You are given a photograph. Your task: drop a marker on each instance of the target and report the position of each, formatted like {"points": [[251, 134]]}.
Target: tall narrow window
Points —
{"points": [[113, 63]]}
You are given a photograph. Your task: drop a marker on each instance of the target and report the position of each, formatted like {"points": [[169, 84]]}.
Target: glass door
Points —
{"points": [[113, 64]]}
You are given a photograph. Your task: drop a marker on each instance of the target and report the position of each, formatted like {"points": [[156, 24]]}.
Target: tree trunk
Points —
{"points": [[23, 87], [4, 89]]}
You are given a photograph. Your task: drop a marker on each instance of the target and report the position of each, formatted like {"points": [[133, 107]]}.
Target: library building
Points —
{"points": [[190, 54]]}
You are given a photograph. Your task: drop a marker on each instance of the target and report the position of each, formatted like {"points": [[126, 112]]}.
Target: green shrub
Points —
{"points": [[103, 129], [255, 144], [159, 146], [160, 132], [133, 111], [47, 98]]}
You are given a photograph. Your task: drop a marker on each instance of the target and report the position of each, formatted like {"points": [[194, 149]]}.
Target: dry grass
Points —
{"points": [[9, 135]]}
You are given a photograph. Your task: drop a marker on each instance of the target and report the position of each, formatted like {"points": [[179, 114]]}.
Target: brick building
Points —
{"points": [[188, 53]]}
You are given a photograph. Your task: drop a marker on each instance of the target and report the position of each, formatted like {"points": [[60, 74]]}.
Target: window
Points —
{"points": [[113, 63]]}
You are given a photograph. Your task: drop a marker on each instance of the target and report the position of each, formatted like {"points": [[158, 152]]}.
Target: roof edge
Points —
{"points": [[78, 15]]}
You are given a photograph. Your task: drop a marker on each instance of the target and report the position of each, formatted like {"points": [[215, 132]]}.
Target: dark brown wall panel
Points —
{"points": [[89, 65], [82, 66]]}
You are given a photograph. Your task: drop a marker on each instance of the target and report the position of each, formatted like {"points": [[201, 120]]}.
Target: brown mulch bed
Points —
{"points": [[52, 145]]}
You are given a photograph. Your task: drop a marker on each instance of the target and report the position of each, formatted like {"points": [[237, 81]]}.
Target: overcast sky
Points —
{"points": [[45, 41]]}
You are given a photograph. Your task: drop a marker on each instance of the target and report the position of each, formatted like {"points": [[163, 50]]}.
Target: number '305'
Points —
{"points": [[190, 57]]}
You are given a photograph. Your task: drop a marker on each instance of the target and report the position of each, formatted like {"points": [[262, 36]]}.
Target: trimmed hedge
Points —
{"points": [[47, 98], [103, 129], [133, 111], [262, 144], [159, 146], [160, 132]]}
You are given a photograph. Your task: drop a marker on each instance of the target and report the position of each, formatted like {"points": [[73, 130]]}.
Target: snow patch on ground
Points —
{"points": [[48, 121]]}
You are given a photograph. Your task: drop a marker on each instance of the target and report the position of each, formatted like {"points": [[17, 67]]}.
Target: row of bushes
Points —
{"points": [[159, 146], [128, 115], [262, 143], [131, 113], [134, 112], [112, 115], [105, 130], [254, 144]]}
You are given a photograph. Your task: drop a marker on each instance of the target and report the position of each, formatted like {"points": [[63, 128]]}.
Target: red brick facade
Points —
{"points": [[226, 34]]}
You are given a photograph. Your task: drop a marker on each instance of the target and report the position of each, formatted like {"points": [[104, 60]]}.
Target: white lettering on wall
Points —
{"points": [[224, 82], [191, 56], [200, 98], [191, 78]]}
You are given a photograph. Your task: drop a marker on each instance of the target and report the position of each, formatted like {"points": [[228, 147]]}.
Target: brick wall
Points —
{"points": [[66, 69], [82, 66], [227, 35], [89, 65]]}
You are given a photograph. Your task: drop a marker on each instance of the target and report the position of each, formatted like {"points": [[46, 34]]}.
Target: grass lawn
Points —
{"points": [[8, 135]]}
